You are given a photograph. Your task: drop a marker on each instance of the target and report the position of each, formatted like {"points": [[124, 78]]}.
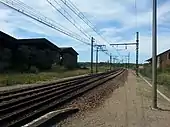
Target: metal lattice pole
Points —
{"points": [[97, 50], [129, 60], [137, 53], [92, 41], [110, 61]]}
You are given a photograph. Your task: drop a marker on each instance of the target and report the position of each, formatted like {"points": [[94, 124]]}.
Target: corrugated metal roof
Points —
{"points": [[6, 36], [68, 49], [159, 54], [38, 41]]}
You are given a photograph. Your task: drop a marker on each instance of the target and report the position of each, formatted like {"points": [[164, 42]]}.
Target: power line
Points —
{"points": [[24, 8], [77, 12], [32, 13], [67, 16], [82, 16]]}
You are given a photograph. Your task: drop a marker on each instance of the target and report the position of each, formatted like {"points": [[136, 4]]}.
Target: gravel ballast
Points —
{"points": [[127, 106], [93, 99]]}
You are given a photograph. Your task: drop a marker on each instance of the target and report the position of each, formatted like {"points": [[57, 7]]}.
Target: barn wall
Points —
{"points": [[6, 52], [165, 60], [69, 60], [10, 58]]}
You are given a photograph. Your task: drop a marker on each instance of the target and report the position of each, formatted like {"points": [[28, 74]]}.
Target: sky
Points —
{"points": [[116, 20]]}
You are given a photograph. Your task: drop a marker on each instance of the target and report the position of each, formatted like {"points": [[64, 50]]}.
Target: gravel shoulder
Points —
{"points": [[127, 106]]}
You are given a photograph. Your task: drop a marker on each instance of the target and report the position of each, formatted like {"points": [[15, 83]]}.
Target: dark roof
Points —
{"points": [[68, 50], [7, 41], [4, 36], [39, 42], [159, 54]]}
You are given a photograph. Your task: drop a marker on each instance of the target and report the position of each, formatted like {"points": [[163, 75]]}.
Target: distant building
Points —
{"points": [[163, 60], [39, 52], [41, 44], [68, 57], [7, 41], [5, 38], [7, 48], [21, 54]]}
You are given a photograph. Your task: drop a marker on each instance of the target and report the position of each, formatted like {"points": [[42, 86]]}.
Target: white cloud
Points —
{"points": [[99, 12]]}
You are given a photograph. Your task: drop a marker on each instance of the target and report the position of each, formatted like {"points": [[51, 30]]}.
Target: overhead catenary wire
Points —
{"points": [[32, 13], [82, 16], [68, 17], [78, 13]]}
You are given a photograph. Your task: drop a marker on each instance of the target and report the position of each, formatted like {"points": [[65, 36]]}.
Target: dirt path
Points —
{"points": [[128, 106]]}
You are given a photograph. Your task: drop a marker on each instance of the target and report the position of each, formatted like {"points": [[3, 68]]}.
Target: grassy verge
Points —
{"points": [[163, 79], [101, 68], [27, 78], [55, 73]]}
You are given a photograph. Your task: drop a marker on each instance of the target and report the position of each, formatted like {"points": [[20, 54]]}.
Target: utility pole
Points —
{"points": [[126, 61], [92, 43], [154, 53], [110, 61], [137, 53], [98, 48], [114, 61], [114, 64], [129, 60], [123, 65]]}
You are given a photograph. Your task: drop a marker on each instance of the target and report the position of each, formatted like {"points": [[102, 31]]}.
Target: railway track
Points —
{"points": [[20, 107]]}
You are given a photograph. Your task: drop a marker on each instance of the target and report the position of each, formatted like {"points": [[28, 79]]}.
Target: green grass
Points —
{"points": [[101, 68], [163, 79], [55, 73], [27, 78]]}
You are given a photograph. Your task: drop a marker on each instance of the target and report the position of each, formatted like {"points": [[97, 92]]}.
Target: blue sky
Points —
{"points": [[116, 20]]}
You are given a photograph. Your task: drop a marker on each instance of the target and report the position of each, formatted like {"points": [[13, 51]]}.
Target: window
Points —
{"points": [[168, 55]]}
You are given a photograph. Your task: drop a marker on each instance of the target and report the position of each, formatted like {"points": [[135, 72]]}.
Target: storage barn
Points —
{"points": [[39, 52], [68, 57], [42, 44], [7, 49], [163, 60]]}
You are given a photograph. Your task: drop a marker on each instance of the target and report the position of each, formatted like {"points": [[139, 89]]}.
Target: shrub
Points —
{"points": [[167, 70], [33, 69], [147, 71], [164, 79]]}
